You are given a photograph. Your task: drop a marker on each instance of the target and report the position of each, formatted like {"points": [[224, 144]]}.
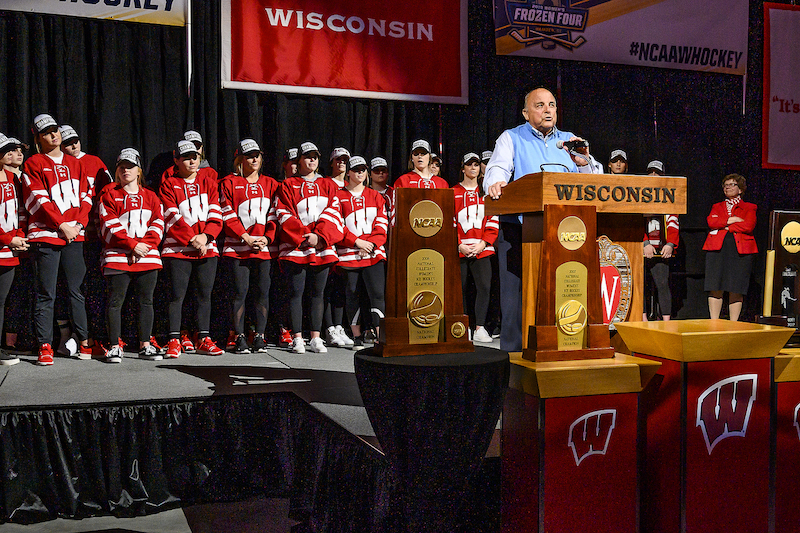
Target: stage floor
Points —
{"points": [[326, 381]]}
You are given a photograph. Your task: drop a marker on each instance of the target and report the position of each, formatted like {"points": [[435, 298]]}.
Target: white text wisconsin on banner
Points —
{"points": [[781, 105], [414, 50], [678, 34], [166, 12]]}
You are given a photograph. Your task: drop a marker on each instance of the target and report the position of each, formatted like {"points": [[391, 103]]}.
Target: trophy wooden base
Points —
{"points": [[543, 345], [396, 341]]}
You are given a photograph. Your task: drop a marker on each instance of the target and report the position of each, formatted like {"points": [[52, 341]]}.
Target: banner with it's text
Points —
{"points": [[410, 50], [166, 12], [781, 105], [678, 34]]}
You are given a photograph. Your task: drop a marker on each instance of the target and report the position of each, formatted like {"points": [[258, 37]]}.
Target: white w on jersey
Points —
{"points": [[135, 222], [254, 211], [66, 192], [195, 207], [9, 219], [471, 217], [309, 209], [360, 221]]}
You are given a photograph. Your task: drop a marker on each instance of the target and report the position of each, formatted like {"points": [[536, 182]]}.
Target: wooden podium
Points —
{"points": [[604, 204]]}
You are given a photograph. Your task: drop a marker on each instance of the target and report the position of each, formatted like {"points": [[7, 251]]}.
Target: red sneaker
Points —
{"points": [[208, 347], [95, 350], [157, 346], [173, 349], [231, 344], [45, 355], [285, 337], [187, 345]]}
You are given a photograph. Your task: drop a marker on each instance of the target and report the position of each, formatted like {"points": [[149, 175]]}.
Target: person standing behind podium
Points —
{"points": [[661, 235], [528, 148], [731, 248]]}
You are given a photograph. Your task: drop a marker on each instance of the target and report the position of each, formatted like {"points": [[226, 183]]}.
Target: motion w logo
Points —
{"points": [[723, 410], [591, 433]]}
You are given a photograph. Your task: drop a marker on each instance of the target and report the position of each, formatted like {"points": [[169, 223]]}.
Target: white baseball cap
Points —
{"points": [[469, 157], [378, 162], [43, 122], [185, 148], [657, 165], [339, 152], [618, 154], [355, 162], [308, 147], [130, 155], [193, 136], [67, 133], [421, 143], [486, 155], [247, 146]]}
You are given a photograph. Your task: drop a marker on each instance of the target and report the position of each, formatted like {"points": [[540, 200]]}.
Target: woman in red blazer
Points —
{"points": [[731, 248]]}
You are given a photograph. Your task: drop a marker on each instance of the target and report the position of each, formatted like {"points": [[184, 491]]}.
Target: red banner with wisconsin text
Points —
{"points": [[410, 50]]}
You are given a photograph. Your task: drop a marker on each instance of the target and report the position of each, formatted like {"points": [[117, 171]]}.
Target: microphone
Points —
{"points": [[571, 145]]}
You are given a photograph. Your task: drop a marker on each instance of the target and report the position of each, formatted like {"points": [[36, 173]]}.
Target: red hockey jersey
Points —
{"points": [[364, 217], [471, 223], [191, 207], [655, 233], [12, 217], [55, 193], [99, 177], [249, 208], [126, 220], [308, 205]]}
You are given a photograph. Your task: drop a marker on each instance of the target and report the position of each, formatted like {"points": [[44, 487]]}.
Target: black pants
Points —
{"points": [[373, 280], [481, 270], [315, 278], [657, 270], [509, 257], [6, 279], [242, 271], [335, 295], [180, 272], [47, 260], [117, 283]]}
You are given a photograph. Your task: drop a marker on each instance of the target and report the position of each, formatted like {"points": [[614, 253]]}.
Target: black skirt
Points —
{"points": [[728, 270]]}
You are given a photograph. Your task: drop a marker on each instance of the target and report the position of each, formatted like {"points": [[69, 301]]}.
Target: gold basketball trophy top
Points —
{"points": [[424, 311]]}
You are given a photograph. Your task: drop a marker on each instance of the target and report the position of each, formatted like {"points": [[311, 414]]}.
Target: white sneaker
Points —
{"points": [[343, 336], [69, 348], [298, 346], [481, 335], [334, 339], [316, 345], [114, 354]]}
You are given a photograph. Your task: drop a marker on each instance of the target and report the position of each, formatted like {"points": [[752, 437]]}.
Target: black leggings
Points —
{"points": [[180, 272], [302, 276], [481, 270], [658, 269], [374, 278], [6, 278], [242, 270], [145, 285]]}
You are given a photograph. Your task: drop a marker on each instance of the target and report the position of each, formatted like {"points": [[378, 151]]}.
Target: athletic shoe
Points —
{"points": [[285, 338], [45, 355], [298, 345], [154, 343], [6, 359], [317, 345], [496, 332], [150, 353], [69, 348], [95, 350], [114, 355], [259, 344], [230, 345], [358, 342], [173, 349], [207, 347], [370, 336], [343, 336], [334, 339], [481, 335], [187, 345], [240, 346]]}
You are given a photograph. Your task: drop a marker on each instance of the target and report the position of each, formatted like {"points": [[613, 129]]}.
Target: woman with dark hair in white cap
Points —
{"points": [[361, 252], [379, 180], [420, 175], [193, 220], [310, 225], [476, 235], [436, 164], [197, 139], [333, 315], [618, 162], [12, 155], [58, 197], [661, 238], [12, 236], [132, 226], [248, 211]]}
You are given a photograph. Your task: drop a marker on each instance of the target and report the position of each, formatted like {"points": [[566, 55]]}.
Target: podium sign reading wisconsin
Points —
{"points": [[424, 311]]}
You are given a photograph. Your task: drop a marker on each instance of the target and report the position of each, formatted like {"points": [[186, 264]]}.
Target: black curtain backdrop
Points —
{"points": [[125, 84]]}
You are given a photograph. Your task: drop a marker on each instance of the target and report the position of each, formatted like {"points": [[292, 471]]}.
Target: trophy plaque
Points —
{"points": [[424, 309], [781, 281]]}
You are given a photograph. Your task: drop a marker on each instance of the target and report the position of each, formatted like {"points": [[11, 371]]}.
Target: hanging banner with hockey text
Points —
{"points": [[409, 50], [166, 12], [679, 34], [781, 105]]}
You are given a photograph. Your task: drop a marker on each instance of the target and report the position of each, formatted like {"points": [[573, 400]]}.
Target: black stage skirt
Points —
{"points": [[728, 270]]}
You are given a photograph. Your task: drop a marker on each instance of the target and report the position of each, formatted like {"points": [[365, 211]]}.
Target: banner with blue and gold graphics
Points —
{"points": [[166, 12], [678, 34]]}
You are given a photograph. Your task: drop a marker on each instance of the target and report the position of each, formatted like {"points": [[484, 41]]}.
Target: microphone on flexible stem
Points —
{"points": [[572, 145]]}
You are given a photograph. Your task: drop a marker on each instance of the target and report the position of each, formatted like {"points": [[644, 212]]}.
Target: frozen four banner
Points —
{"points": [[167, 12], [781, 105], [408, 50], [679, 34]]}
